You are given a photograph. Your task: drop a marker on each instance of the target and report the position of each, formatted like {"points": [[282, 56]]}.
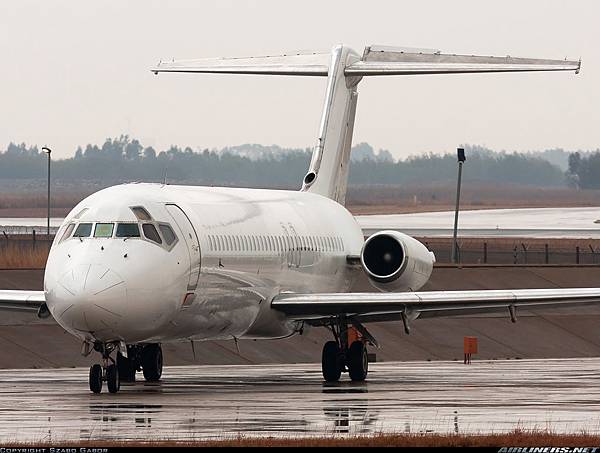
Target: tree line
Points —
{"points": [[584, 170], [124, 159]]}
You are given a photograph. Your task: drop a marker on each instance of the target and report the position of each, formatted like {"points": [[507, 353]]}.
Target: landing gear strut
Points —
{"points": [[338, 356], [147, 358]]}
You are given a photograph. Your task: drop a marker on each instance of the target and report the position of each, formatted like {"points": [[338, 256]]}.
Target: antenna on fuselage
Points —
{"points": [[165, 177]]}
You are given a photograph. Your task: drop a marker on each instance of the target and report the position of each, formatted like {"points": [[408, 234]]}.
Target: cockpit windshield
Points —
{"points": [[146, 228], [83, 230], [128, 230], [104, 230]]}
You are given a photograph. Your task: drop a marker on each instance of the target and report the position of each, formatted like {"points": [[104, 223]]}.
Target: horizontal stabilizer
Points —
{"points": [[379, 60], [304, 64], [376, 60]]}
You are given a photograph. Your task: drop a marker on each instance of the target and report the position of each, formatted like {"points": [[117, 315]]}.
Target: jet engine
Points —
{"points": [[396, 262]]}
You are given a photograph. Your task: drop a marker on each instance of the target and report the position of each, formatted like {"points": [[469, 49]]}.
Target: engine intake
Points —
{"points": [[396, 262]]}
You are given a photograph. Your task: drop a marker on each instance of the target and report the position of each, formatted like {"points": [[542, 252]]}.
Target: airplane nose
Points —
{"points": [[89, 298]]}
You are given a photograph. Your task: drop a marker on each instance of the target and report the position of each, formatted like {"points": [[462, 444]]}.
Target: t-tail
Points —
{"points": [[344, 69]]}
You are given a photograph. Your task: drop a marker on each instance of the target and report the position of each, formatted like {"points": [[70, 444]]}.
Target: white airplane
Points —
{"points": [[137, 265]]}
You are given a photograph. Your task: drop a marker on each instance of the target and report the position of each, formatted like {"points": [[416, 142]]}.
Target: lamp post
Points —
{"points": [[461, 159], [49, 152]]}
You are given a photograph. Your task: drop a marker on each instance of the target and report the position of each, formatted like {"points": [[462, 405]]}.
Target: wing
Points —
{"points": [[33, 301], [371, 307]]}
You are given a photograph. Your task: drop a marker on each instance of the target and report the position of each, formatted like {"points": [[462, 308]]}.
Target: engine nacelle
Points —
{"points": [[396, 262]]}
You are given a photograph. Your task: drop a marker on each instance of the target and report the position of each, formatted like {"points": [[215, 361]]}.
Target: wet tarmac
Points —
{"points": [[200, 402]]}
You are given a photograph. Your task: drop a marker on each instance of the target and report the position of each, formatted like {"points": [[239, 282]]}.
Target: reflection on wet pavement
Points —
{"points": [[222, 401]]}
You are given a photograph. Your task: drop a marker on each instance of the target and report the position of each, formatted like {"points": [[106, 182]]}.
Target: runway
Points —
{"points": [[574, 223], [202, 402]]}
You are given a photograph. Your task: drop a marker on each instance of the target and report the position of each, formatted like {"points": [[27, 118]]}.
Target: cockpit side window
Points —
{"points": [[151, 233], [167, 233], [128, 230], [68, 231], [104, 230], [83, 230]]}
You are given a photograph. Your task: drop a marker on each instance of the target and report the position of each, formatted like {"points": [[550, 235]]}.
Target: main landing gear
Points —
{"points": [[344, 354], [146, 358]]}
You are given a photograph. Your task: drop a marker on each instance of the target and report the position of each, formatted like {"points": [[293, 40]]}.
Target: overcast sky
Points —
{"points": [[75, 72]]}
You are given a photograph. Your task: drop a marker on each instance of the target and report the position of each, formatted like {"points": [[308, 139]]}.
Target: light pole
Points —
{"points": [[49, 152], [461, 158]]}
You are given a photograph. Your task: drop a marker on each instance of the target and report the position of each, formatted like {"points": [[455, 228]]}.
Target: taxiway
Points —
{"points": [[203, 402]]}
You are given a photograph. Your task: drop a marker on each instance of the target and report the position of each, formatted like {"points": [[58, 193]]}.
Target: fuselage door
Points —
{"points": [[190, 238]]}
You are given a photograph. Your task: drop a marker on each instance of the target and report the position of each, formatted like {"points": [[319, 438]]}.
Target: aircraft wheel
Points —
{"points": [[331, 362], [126, 367], [112, 379], [95, 378], [358, 361], [152, 362]]}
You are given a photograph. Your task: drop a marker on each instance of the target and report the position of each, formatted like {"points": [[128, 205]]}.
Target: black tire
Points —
{"points": [[112, 379], [358, 361], [126, 368], [331, 363], [152, 362], [95, 378]]}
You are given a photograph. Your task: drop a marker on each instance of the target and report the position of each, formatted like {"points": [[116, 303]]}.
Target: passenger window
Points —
{"points": [[67, 232], [151, 233], [83, 230], [128, 230], [104, 230], [141, 213], [167, 233]]}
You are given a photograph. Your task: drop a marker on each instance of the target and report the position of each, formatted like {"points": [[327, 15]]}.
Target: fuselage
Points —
{"points": [[154, 263]]}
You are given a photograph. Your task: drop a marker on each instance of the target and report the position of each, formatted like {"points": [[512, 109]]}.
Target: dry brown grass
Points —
{"points": [[361, 199], [441, 197], [517, 438], [23, 254], [40, 200]]}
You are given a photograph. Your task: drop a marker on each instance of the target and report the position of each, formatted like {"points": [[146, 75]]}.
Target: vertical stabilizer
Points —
{"points": [[344, 68], [328, 172]]}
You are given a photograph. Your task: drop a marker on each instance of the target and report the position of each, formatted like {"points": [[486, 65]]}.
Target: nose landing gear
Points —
{"points": [[147, 358], [344, 353], [108, 371]]}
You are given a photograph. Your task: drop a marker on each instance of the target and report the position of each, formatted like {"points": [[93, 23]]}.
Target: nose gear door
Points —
{"points": [[190, 238]]}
